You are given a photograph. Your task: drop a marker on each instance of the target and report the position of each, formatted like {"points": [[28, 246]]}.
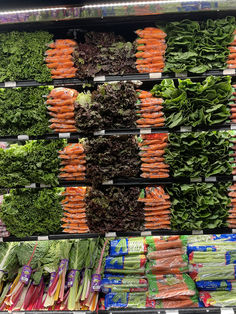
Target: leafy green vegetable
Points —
{"points": [[198, 46], [34, 162], [199, 206], [9, 261], [195, 103], [29, 211], [22, 111], [22, 56], [198, 154]]}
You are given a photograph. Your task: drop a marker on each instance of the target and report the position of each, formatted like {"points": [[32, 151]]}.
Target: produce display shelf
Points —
{"points": [[68, 236], [112, 78], [77, 135]]}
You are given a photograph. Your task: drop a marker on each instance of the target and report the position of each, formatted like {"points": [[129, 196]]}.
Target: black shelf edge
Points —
{"points": [[109, 78], [110, 132], [115, 234]]}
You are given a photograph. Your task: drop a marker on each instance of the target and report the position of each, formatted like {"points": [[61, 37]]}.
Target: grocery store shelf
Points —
{"points": [[77, 135], [111, 78], [67, 236], [103, 10]]}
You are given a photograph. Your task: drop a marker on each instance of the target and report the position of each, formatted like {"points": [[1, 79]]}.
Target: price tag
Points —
{"points": [[1, 239], [227, 311], [42, 238], [10, 84], [210, 179], [145, 131], [172, 312], [100, 78], [110, 235], [31, 186], [42, 185], [102, 132], [146, 233], [64, 135], [234, 178], [23, 137], [185, 129], [155, 75], [193, 180], [233, 230], [183, 74], [233, 126], [229, 71], [196, 232], [108, 182]]}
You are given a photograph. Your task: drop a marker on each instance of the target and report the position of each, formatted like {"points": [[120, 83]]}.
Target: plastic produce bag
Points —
{"points": [[124, 300], [127, 246], [124, 284], [126, 264], [156, 243], [218, 298], [216, 285]]}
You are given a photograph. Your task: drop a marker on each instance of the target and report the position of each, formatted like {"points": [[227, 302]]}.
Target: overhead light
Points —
{"points": [[30, 10], [118, 4]]}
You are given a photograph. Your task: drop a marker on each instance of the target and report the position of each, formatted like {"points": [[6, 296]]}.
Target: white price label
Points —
{"points": [[155, 75], [1, 239], [145, 131], [233, 230], [23, 137], [229, 72], [185, 129], [183, 74], [79, 312], [108, 182], [10, 84], [172, 312], [42, 238], [227, 311], [64, 135], [196, 232], [100, 78], [32, 186], [42, 185], [110, 235], [210, 179], [233, 126], [146, 233], [102, 132], [234, 178], [193, 180]]}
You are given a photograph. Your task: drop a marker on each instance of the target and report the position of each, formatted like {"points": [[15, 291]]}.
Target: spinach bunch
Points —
{"points": [[198, 46], [22, 111], [199, 206], [114, 209], [34, 162], [29, 211], [199, 154], [22, 56], [195, 103]]}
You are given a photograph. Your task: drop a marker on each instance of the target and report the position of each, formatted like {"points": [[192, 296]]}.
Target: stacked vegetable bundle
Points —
{"points": [[156, 207], [114, 209], [22, 111], [110, 106], [233, 105], [151, 48], [60, 58], [198, 46], [73, 162], [169, 285], [232, 56], [61, 101], [232, 216], [34, 162], [55, 276], [104, 53], [152, 150], [212, 266], [124, 282], [22, 56], [194, 103], [149, 110], [74, 207]]}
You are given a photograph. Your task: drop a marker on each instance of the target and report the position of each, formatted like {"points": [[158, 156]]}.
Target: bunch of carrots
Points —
{"points": [[72, 162], [232, 56], [151, 48], [59, 58], [61, 108], [233, 103], [74, 220], [156, 208], [152, 151], [150, 110]]}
